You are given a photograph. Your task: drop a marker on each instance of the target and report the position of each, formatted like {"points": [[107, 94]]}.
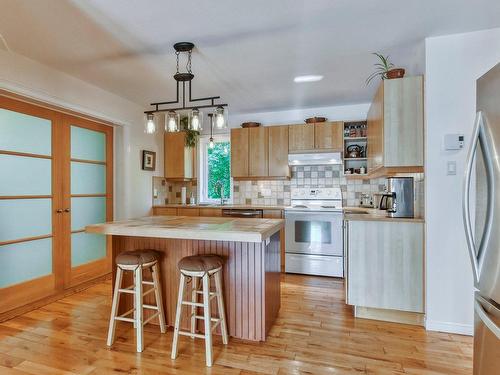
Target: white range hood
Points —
{"points": [[315, 158]]}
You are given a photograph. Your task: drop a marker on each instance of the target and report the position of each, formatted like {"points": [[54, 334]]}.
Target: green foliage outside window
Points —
{"points": [[219, 163]]}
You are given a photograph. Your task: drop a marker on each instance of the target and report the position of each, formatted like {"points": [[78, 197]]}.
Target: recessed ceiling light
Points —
{"points": [[308, 78]]}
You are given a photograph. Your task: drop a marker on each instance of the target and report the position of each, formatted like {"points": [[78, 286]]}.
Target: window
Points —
{"points": [[215, 169]]}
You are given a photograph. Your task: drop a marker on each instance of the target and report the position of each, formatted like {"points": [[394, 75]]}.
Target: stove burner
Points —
{"points": [[328, 206], [299, 206]]}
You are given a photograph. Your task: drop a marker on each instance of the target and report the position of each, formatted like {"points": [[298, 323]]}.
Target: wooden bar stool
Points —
{"points": [[137, 261], [196, 267]]}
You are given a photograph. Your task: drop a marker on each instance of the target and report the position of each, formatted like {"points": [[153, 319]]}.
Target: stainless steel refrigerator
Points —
{"points": [[481, 209]]}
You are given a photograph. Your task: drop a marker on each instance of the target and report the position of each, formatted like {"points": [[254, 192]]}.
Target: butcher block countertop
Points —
{"points": [[371, 214], [192, 228]]}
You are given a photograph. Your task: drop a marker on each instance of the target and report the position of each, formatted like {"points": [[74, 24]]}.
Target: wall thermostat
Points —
{"points": [[453, 141]]}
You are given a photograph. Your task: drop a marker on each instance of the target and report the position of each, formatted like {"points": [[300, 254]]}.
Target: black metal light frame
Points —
{"points": [[185, 77]]}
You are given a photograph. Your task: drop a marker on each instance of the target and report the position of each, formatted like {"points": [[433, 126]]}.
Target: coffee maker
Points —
{"points": [[398, 200]]}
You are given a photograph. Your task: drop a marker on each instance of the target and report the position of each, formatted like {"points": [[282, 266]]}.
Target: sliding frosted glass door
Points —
{"points": [[90, 195], [26, 203]]}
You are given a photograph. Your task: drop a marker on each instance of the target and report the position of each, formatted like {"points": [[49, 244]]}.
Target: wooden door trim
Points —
{"points": [[76, 275], [18, 294], [25, 154], [26, 239]]}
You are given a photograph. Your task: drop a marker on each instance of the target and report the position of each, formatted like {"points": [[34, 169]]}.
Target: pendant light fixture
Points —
{"points": [[211, 143], [150, 127], [172, 120], [220, 118], [195, 119], [195, 116]]}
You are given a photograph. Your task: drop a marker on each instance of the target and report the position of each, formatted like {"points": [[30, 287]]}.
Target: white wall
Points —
{"points": [[297, 116], [453, 63], [132, 185]]}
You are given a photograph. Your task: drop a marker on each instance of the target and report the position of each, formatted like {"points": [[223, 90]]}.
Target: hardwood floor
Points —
{"points": [[314, 334]]}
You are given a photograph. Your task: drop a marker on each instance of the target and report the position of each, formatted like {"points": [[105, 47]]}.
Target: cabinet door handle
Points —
{"points": [[67, 210], [59, 211]]}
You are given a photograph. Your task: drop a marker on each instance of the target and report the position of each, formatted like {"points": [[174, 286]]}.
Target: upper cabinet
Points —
{"points": [[323, 136], [396, 127], [239, 152], [300, 137], [258, 157], [260, 153], [179, 159], [278, 151]]}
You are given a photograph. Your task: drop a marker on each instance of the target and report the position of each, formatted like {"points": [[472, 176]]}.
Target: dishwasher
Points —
{"points": [[242, 212]]}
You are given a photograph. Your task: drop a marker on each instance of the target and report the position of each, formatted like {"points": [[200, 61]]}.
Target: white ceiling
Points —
{"points": [[247, 51]]}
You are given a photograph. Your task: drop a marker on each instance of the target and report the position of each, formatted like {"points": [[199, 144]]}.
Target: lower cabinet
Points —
{"points": [[164, 211], [385, 265]]}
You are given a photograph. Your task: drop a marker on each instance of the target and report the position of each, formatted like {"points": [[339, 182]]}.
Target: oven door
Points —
{"points": [[316, 233]]}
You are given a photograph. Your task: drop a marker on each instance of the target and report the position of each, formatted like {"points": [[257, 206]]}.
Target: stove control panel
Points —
{"points": [[316, 193]]}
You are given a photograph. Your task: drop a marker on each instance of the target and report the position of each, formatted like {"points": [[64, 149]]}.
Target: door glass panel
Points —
{"points": [[25, 261], [24, 133], [313, 231], [87, 247], [25, 175], [88, 144], [87, 178], [87, 210], [21, 218]]}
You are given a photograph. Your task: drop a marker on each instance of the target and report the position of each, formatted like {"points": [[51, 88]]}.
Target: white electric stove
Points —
{"points": [[314, 236]]}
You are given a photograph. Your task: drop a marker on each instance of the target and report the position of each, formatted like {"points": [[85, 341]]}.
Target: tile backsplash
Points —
{"points": [[278, 192]]}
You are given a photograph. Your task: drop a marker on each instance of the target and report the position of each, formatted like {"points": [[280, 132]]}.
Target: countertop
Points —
{"points": [[229, 206], [353, 213], [193, 228]]}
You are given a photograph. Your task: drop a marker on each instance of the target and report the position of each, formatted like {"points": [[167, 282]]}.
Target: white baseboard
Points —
{"points": [[460, 329]]}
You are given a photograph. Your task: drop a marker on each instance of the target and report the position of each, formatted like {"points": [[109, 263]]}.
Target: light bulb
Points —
{"points": [[220, 121], [150, 124], [171, 122], [211, 144], [196, 118]]}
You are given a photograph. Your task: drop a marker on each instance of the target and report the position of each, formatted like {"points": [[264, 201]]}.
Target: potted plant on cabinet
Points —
{"points": [[385, 69]]}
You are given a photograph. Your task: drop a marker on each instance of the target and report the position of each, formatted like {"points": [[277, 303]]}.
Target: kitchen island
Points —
{"points": [[251, 251]]}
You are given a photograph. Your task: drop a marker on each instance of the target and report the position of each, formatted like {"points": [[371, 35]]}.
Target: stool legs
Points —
{"points": [[194, 299], [137, 292], [114, 307], [139, 310], [207, 317], [159, 300], [178, 317]]}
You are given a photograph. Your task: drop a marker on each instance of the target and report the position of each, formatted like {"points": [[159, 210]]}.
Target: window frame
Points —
{"points": [[202, 166]]}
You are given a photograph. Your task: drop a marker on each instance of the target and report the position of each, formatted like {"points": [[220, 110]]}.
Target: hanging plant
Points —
{"points": [[190, 134]]}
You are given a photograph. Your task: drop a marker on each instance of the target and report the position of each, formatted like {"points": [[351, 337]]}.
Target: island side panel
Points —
{"points": [[249, 277], [272, 264]]}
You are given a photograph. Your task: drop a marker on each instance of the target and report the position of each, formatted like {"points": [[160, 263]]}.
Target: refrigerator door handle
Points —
{"points": [[488, 322], [477, 255]]}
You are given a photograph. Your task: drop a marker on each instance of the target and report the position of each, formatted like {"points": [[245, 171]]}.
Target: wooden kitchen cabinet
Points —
{"points": [[258, 156], [239, 152], [210, 212], [179, 159], [329, 136], [396, 127], [164, 211], [385, 265], [300, 138], [181, 211], [260, 153], [278, 151]]}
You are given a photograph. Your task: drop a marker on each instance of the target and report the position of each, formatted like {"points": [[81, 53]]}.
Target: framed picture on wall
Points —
{"points": [[148, 160]]}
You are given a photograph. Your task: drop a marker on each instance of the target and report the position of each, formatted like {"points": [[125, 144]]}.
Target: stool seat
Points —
{"points": [[200, 263], [137, 257]]}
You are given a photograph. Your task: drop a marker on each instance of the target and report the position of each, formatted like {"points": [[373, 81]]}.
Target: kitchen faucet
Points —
{"points": [[220, 185]]}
